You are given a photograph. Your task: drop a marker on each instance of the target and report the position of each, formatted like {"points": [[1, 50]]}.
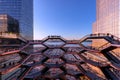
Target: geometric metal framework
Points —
{"points": [[55, 58]]}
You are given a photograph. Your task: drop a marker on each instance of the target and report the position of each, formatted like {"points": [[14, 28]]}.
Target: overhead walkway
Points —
{"points": [[65, 56], [94, 63], [109, 74], [109, 37], [113, 43], [26, 71], [89, 74]]}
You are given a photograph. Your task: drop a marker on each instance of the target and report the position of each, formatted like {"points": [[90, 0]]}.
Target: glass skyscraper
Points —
{"points": [[22, 10], [107, 17]]}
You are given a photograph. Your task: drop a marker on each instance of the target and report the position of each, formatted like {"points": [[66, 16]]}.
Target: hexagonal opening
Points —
{"points": [[35, 72], [72, 69], [94, 43], [70, 58], [72, 45], [38, 48], [52, 43], [33, 48], [35, 58], [54, 62], [53, 53], [53, 73]]}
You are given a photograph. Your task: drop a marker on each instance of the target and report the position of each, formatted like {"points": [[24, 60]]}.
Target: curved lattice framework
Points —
{"points": [[55, 58]]}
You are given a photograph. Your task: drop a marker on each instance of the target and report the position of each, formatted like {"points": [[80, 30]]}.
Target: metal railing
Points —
{"points": [[101, 35]]}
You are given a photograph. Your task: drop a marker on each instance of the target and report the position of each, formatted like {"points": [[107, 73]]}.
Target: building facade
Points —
{"points": [[8, 24], [107, 17], [107, 20], [22, 10]]}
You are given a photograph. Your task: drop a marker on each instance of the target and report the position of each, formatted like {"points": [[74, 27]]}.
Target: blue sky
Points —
{"points": [[68, 18]]}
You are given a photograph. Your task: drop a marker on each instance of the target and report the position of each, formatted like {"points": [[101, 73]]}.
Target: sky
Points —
{"points": [[71, 19]]}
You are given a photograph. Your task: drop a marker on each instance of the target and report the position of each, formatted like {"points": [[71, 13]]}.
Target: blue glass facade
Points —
{"points": [[22, 10]]}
